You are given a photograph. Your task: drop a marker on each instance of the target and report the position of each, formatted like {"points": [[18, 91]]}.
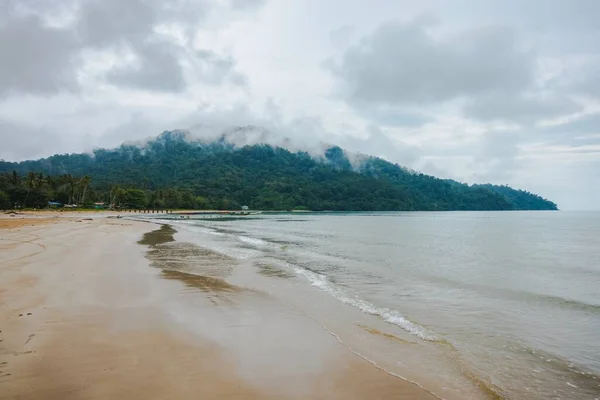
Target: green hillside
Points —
{"points": [[172, 171]]}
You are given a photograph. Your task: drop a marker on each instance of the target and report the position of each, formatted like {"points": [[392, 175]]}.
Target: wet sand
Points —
{"points": [[84, 315]]}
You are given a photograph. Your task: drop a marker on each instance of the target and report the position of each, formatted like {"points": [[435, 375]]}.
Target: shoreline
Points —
{"points": [[81, 306]]}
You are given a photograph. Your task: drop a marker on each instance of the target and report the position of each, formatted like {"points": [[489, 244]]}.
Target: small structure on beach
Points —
{"points": [[99, 205], [54, 204]]}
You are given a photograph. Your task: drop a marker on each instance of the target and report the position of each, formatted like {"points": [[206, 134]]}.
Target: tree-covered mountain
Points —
{"points": [[176, 172]]}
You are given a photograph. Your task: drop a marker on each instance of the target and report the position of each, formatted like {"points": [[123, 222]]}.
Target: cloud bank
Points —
{"points": [[477, 90]]}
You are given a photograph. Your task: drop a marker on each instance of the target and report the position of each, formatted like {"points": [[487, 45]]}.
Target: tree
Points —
{"points": [[31, 182], [202, 203], [157, 199], [40, 180], [72, 187], [113, 195], [134, 198], [52, 183], [84, 183], [172, 198], [15, 178], [4, 201], [188, 200]]}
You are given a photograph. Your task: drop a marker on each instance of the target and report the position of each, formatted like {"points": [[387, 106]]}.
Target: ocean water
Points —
{"points": [[465, 304]]}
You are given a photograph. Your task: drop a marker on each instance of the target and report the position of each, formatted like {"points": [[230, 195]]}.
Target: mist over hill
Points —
{"points": [[235, 168]]}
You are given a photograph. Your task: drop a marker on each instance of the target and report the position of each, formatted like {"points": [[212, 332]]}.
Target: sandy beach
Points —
{"points": [[84, 315]]}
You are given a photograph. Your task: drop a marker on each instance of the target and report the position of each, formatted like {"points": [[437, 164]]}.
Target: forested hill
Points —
{"points": [[175, 172]]}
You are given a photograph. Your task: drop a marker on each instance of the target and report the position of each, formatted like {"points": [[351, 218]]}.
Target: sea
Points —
{"points": [[501, 305]]}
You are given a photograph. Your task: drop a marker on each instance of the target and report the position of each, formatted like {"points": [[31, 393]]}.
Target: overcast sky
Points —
{"points": [[475, 90]]}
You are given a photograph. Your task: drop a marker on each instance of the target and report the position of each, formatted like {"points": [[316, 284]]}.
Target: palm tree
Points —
{"points": [[53, 184], [115, 193], [40, 180], [157, 197], [72, 185], [15, 178], [84, 182], [31, 182]]}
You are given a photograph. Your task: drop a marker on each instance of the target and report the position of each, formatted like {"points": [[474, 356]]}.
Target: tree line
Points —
{"points": [[172, 172], [37, 190]]}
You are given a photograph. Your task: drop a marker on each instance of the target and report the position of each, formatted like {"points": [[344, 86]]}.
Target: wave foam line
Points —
{"points": [[388, 315], [252, 241]]}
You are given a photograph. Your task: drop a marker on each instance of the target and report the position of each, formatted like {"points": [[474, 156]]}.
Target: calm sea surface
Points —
{"points": [[465, 304]]}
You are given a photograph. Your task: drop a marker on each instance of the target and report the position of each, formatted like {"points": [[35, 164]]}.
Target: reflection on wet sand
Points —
{"points": [[167, 254], [204, 283], [272, 271], [386, 335], [162, 235]]}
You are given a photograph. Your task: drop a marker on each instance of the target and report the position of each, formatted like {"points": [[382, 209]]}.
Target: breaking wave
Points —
{"points": [[391, 316]]}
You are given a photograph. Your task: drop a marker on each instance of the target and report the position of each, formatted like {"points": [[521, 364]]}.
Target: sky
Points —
{"points": [[506, 92]]}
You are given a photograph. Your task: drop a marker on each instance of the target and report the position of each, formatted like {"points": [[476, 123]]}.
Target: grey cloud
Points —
{"points": [[25, 141], [242, 126], [247, 4], [43, 9], [496, 158], [130, 24], [158, 69], [300, 133], [36, 58], [519, 107], [394, 116], [588, 80], [216, 70], [430, 168], [379, 144], [138, 126], [589, 124], [576, 133], [403, 63], [557, 14], [342, 36], [107, 22], [493, 157]]}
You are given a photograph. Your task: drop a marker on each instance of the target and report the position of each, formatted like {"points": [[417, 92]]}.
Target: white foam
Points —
{"points": [[194, 227], [252, 241], [388, 315], [201, 236]]}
